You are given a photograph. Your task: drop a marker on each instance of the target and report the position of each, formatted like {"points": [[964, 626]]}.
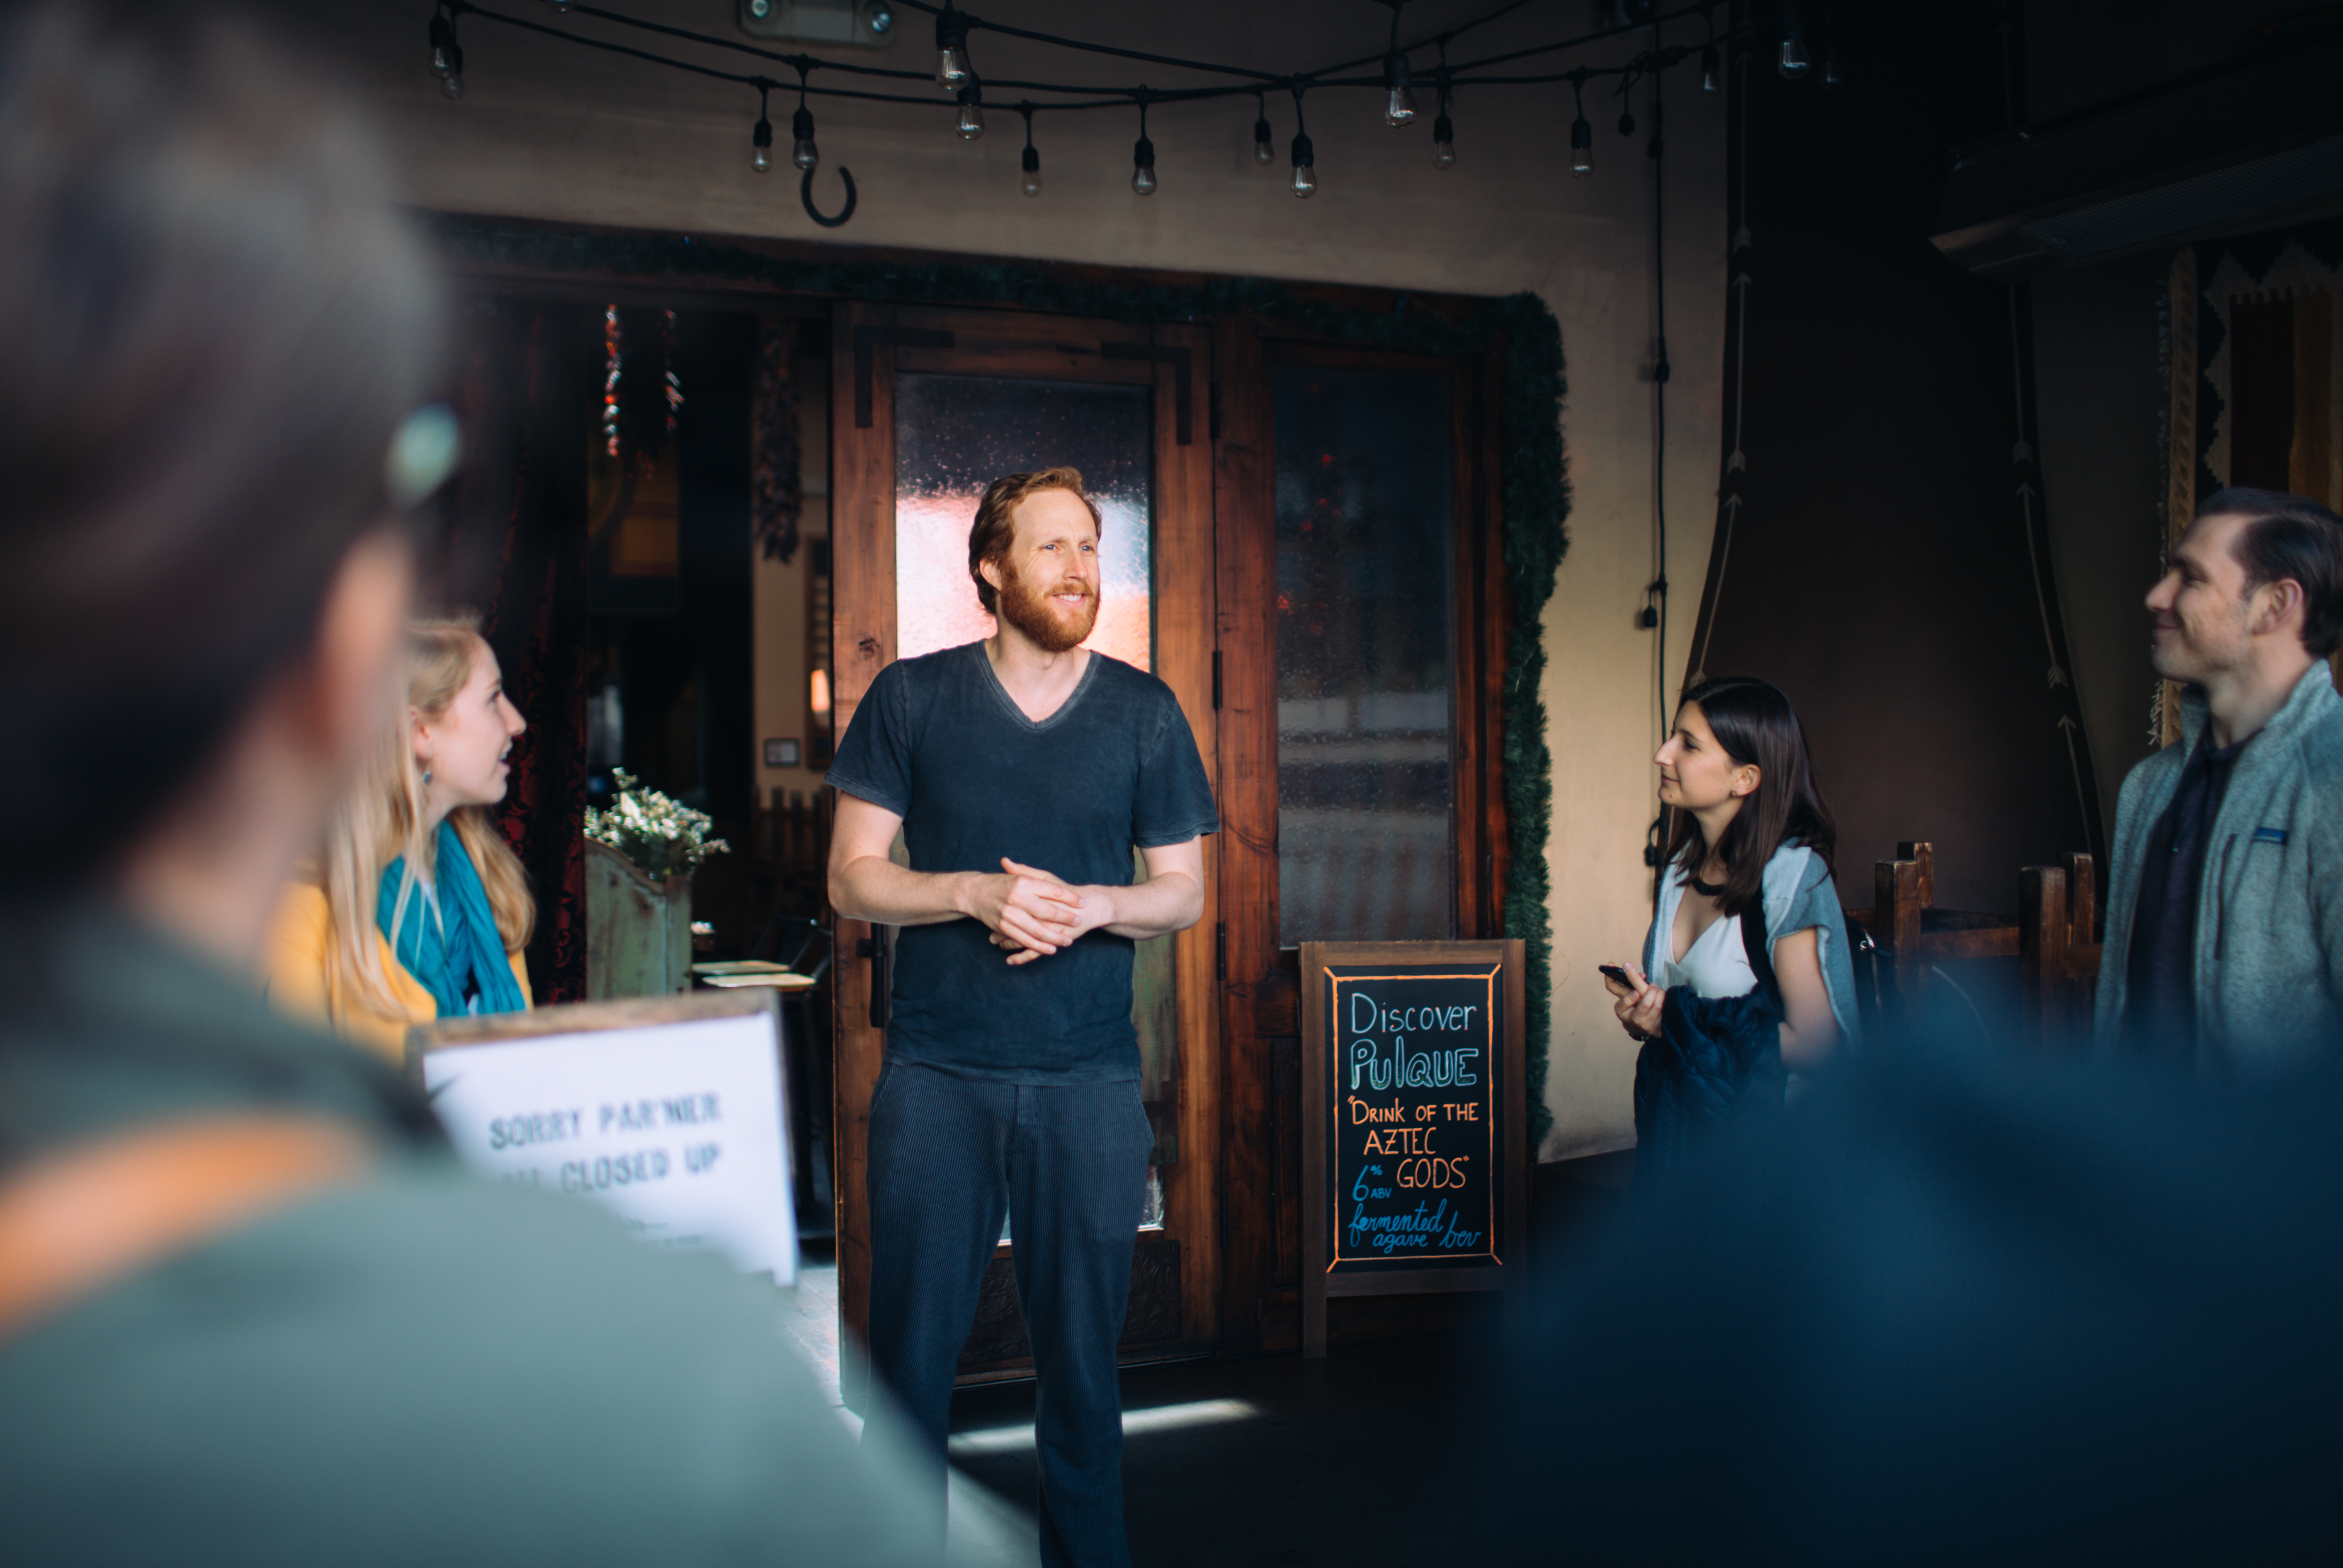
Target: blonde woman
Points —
{"points": [[419, 910]]}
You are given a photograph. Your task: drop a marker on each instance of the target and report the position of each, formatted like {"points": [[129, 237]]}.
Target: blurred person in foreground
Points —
{"points": [[418, 909], [1965, 1306], [2224, 902], [251, 1310]]}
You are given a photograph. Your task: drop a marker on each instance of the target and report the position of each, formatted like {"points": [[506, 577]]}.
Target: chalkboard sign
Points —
{"points": [[1412, 1148]]}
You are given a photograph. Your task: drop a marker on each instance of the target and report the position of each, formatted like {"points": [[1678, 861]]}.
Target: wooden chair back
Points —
{"points": [[2058, 949]]}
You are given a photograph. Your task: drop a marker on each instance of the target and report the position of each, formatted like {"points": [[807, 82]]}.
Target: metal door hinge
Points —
{"points": [[1216, 679], [1220, 942]]}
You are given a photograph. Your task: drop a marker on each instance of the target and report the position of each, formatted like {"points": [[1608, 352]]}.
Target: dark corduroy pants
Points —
{"points": [[1067, 1164]]}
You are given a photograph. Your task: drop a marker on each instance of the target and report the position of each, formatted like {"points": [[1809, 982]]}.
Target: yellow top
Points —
{"points": [[298, 981]]}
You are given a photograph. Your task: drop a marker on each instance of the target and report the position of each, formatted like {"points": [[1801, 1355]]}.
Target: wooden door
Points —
{"points": [[898, 375], [1266, 486]]}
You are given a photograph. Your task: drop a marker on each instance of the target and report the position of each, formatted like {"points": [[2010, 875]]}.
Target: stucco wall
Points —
{"points": [[549, 130]]}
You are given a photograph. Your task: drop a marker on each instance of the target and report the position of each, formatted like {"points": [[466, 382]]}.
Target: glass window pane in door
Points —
{"points": [[954, 435], [1365, 834]]}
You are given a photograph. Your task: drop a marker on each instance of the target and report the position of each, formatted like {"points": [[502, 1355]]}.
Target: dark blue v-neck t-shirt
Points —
{"points": [[938, 741]]}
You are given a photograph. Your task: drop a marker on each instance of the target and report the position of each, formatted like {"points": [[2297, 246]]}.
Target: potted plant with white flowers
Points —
{"points": [[640, 854]]}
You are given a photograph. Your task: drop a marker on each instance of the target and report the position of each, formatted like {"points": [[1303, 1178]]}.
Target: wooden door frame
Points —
{"points": [[870, 343], [1261, 1151]]}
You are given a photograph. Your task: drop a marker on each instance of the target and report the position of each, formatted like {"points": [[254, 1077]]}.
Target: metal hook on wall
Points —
{"points": [[805, 194]]}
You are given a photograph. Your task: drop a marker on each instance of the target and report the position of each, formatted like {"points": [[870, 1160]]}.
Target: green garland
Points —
{"points": [[1536, 492]]}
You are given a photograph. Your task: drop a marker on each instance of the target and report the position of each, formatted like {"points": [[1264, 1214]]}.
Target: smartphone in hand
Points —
{"points": [[1613, 971]]}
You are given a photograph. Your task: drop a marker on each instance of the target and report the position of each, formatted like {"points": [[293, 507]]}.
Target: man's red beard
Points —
{"points": [[1052, 627]]}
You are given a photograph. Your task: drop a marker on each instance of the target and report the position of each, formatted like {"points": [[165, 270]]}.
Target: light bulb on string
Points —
{"points": [[1444, 130], [1143, 155], [1582, 136], [558, 7], [1305, 157], [1627, 124], [951, 50], [1031, 161], [1711, 76], [447, 57], [1794, 60], [1831, 76], [972, 112], [1399, 101], [802, 151], [1264, 150], [760, 139]]}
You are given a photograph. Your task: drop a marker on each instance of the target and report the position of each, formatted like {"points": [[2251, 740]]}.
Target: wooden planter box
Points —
{"points": [[637, 930]]}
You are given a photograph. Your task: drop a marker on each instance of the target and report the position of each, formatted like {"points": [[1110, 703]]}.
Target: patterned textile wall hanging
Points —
{"points": [[2257, 377]]}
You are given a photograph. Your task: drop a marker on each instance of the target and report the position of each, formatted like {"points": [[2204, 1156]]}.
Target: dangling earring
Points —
{"points": [[426, 777]]}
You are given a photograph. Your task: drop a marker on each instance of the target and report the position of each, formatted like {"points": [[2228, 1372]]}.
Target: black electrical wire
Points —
{"points": [[1003, 28], [1659, 588], [1438, 41], [1100, 97], [803, 62]]}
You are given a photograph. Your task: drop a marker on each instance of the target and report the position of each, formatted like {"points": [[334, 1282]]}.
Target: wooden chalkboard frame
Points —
{"points": [[1320, 1280]]}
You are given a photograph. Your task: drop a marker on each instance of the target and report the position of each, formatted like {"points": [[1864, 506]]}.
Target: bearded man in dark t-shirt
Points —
{"points": [[1022, 771]]}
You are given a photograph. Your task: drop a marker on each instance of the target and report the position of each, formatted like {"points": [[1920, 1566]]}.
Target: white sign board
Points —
{"points": [[675, 1127]]}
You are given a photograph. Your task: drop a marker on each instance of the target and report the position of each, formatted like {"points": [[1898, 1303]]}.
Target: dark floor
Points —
{"points": [[1283, 1461]]}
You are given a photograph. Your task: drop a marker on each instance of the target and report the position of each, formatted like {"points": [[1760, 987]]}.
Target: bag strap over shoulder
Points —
{"points": [[1753, 943], [77, 1221]]}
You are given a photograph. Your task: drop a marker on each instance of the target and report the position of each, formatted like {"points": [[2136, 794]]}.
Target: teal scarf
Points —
{"points": [[460, 952]]}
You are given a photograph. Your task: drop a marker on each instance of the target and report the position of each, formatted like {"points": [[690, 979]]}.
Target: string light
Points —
{"points": [[1582, 135], [1398, 106], [1143, 155], [802, 152], [1443, 130], [1794, 63], [954, 71], [952, 49], [761, 139], [447, 56], [1305, 157]]}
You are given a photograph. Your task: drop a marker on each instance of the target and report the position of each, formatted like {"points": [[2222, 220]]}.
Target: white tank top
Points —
{"points": [[1716, 964]]}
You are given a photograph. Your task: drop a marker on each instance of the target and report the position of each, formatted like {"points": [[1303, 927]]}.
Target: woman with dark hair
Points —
{"points": [[1748, 901], [251, 1310]]}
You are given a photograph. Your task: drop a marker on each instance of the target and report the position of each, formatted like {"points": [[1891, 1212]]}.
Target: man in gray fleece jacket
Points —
{"points": [[2224, 915]]}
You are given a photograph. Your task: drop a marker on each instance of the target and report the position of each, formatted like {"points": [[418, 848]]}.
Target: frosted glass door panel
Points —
{"points": [[954, 435], [1365, 835]]}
